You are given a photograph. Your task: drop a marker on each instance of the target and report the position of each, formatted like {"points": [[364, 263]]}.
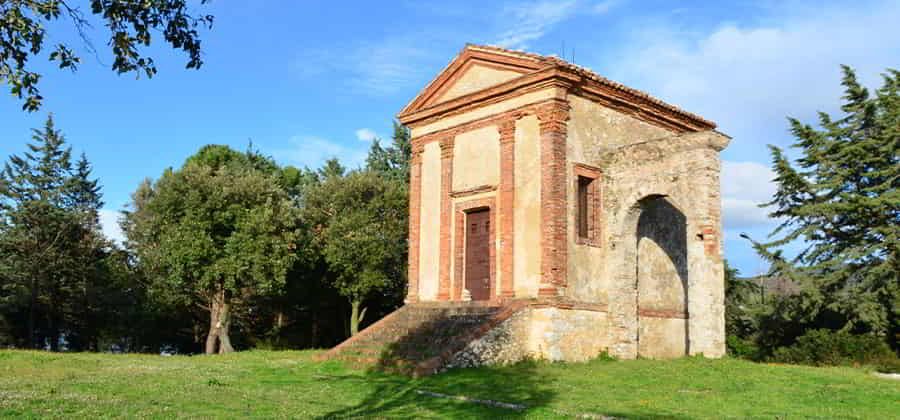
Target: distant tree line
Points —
{"points": [[229, 250]]}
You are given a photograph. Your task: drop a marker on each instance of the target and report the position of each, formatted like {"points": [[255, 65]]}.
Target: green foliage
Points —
{"points": [[741, 347], [359, 223], [836, 348], [51, 249], [840, 199], [214, 232], [740, 297], [393, 161], [131, 25]]}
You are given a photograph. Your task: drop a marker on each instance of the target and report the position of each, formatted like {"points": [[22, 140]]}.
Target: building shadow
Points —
{"points": [[428, 333], [666, 226], [399, 396]]}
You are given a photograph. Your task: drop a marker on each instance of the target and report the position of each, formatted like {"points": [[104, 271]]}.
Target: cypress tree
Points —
{"points": [[840, 199]]}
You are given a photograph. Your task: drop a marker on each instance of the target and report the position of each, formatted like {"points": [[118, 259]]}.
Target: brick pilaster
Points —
{"points": [[446, 210], [552, 118], [507, 191], [415, 194]]}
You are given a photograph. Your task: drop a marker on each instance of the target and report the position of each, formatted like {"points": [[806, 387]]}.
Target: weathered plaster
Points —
{"points": [[430, 222], [475, 78], [680, 170], [527, 208], [594, 131], [476, 158]]}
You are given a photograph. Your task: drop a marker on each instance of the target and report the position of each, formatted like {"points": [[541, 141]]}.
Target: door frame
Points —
{"points": [[461, 210]]}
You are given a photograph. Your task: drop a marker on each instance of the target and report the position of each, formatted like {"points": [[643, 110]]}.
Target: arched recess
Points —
{"points": [[657, 260]]}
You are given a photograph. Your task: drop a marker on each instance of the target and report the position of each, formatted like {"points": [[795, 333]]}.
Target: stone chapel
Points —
{"points": [[556, 214]]}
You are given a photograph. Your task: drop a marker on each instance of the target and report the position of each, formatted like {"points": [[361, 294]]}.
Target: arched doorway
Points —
{"points": [[662, 280]]}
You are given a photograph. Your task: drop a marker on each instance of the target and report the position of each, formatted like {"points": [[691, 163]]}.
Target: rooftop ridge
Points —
{"points": [[555, 61]]}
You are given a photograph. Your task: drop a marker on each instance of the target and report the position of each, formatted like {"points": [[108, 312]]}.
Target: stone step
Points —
{"points": [[414, 334]]}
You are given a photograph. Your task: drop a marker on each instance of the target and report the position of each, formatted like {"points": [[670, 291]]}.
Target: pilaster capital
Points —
{"points": [[553, 115], [507, 130], [446, 144], [416, 153]]}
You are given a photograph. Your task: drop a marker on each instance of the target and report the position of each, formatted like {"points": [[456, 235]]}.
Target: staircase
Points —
{"points": [[419, 338]]}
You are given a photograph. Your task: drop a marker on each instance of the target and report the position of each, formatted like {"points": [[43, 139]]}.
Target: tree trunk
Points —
{"points": [[356, 316], [219, 324], [32, 314]]}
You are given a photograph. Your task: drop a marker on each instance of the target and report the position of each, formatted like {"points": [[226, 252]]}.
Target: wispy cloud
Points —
{"points": [[375, 68], [529, 21], [605, 6], [366, 135], [312, 152]]}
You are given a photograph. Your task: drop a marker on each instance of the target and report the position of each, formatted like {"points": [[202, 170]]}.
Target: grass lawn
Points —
{"points": [[291, 384]]}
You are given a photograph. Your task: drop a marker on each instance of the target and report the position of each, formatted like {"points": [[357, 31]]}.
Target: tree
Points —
{"points": [[213, 236], [131, 24], [49, 239], [392, 161], [841, 201], [359, 223]]}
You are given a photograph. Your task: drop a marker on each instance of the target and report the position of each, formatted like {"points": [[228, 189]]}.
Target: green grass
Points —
{"points": [[291, 384]]}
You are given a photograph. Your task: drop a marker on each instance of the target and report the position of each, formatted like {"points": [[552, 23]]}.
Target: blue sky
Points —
{"points": [[310, 80]]}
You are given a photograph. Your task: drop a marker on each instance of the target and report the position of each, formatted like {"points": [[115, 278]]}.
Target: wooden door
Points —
{"points": [[478, 262]]}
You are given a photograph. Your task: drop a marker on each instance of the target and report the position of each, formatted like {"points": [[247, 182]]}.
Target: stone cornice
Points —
{"points": [[473, 191], [659, 148]]}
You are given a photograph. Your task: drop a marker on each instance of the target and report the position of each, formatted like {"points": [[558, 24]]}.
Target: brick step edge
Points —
{"points": [[362, 335]]}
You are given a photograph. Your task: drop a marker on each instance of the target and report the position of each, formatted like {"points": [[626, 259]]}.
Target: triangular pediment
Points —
{"points": [[474, 69]]}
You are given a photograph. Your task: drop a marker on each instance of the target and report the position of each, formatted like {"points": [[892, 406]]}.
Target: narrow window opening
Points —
{"points": [[584, 206]]}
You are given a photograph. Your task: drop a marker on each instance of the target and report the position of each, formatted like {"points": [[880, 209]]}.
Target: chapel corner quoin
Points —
{"points": [[554, 214]]}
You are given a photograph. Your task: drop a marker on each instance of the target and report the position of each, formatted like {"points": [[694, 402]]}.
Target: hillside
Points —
{"points": [[291, 384]]}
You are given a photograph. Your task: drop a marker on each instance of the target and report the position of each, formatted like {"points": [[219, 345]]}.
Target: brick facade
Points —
{"points": [[562, 122], [415, 185], [446, 144], [507, 192], [553, 117]]}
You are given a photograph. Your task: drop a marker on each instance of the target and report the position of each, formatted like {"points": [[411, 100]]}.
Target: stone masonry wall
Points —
{"points": [[545, 333], [682, 170]]}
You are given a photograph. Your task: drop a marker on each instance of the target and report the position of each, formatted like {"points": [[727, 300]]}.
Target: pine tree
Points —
{"points": [[50, 242], [841, 201], [38, 232]]}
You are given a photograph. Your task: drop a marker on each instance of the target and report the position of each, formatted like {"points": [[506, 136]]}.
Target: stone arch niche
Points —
{"points": [[661, 279]]}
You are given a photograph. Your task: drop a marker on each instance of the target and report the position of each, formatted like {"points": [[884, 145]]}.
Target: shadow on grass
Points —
{"points": [[396, 396], [538, 386], [435, 332]]}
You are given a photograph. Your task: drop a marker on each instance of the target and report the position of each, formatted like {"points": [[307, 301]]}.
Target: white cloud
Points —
{"points": [[109, 223], [749, 77], [312, 152], [745, 185], [366, 135]]}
